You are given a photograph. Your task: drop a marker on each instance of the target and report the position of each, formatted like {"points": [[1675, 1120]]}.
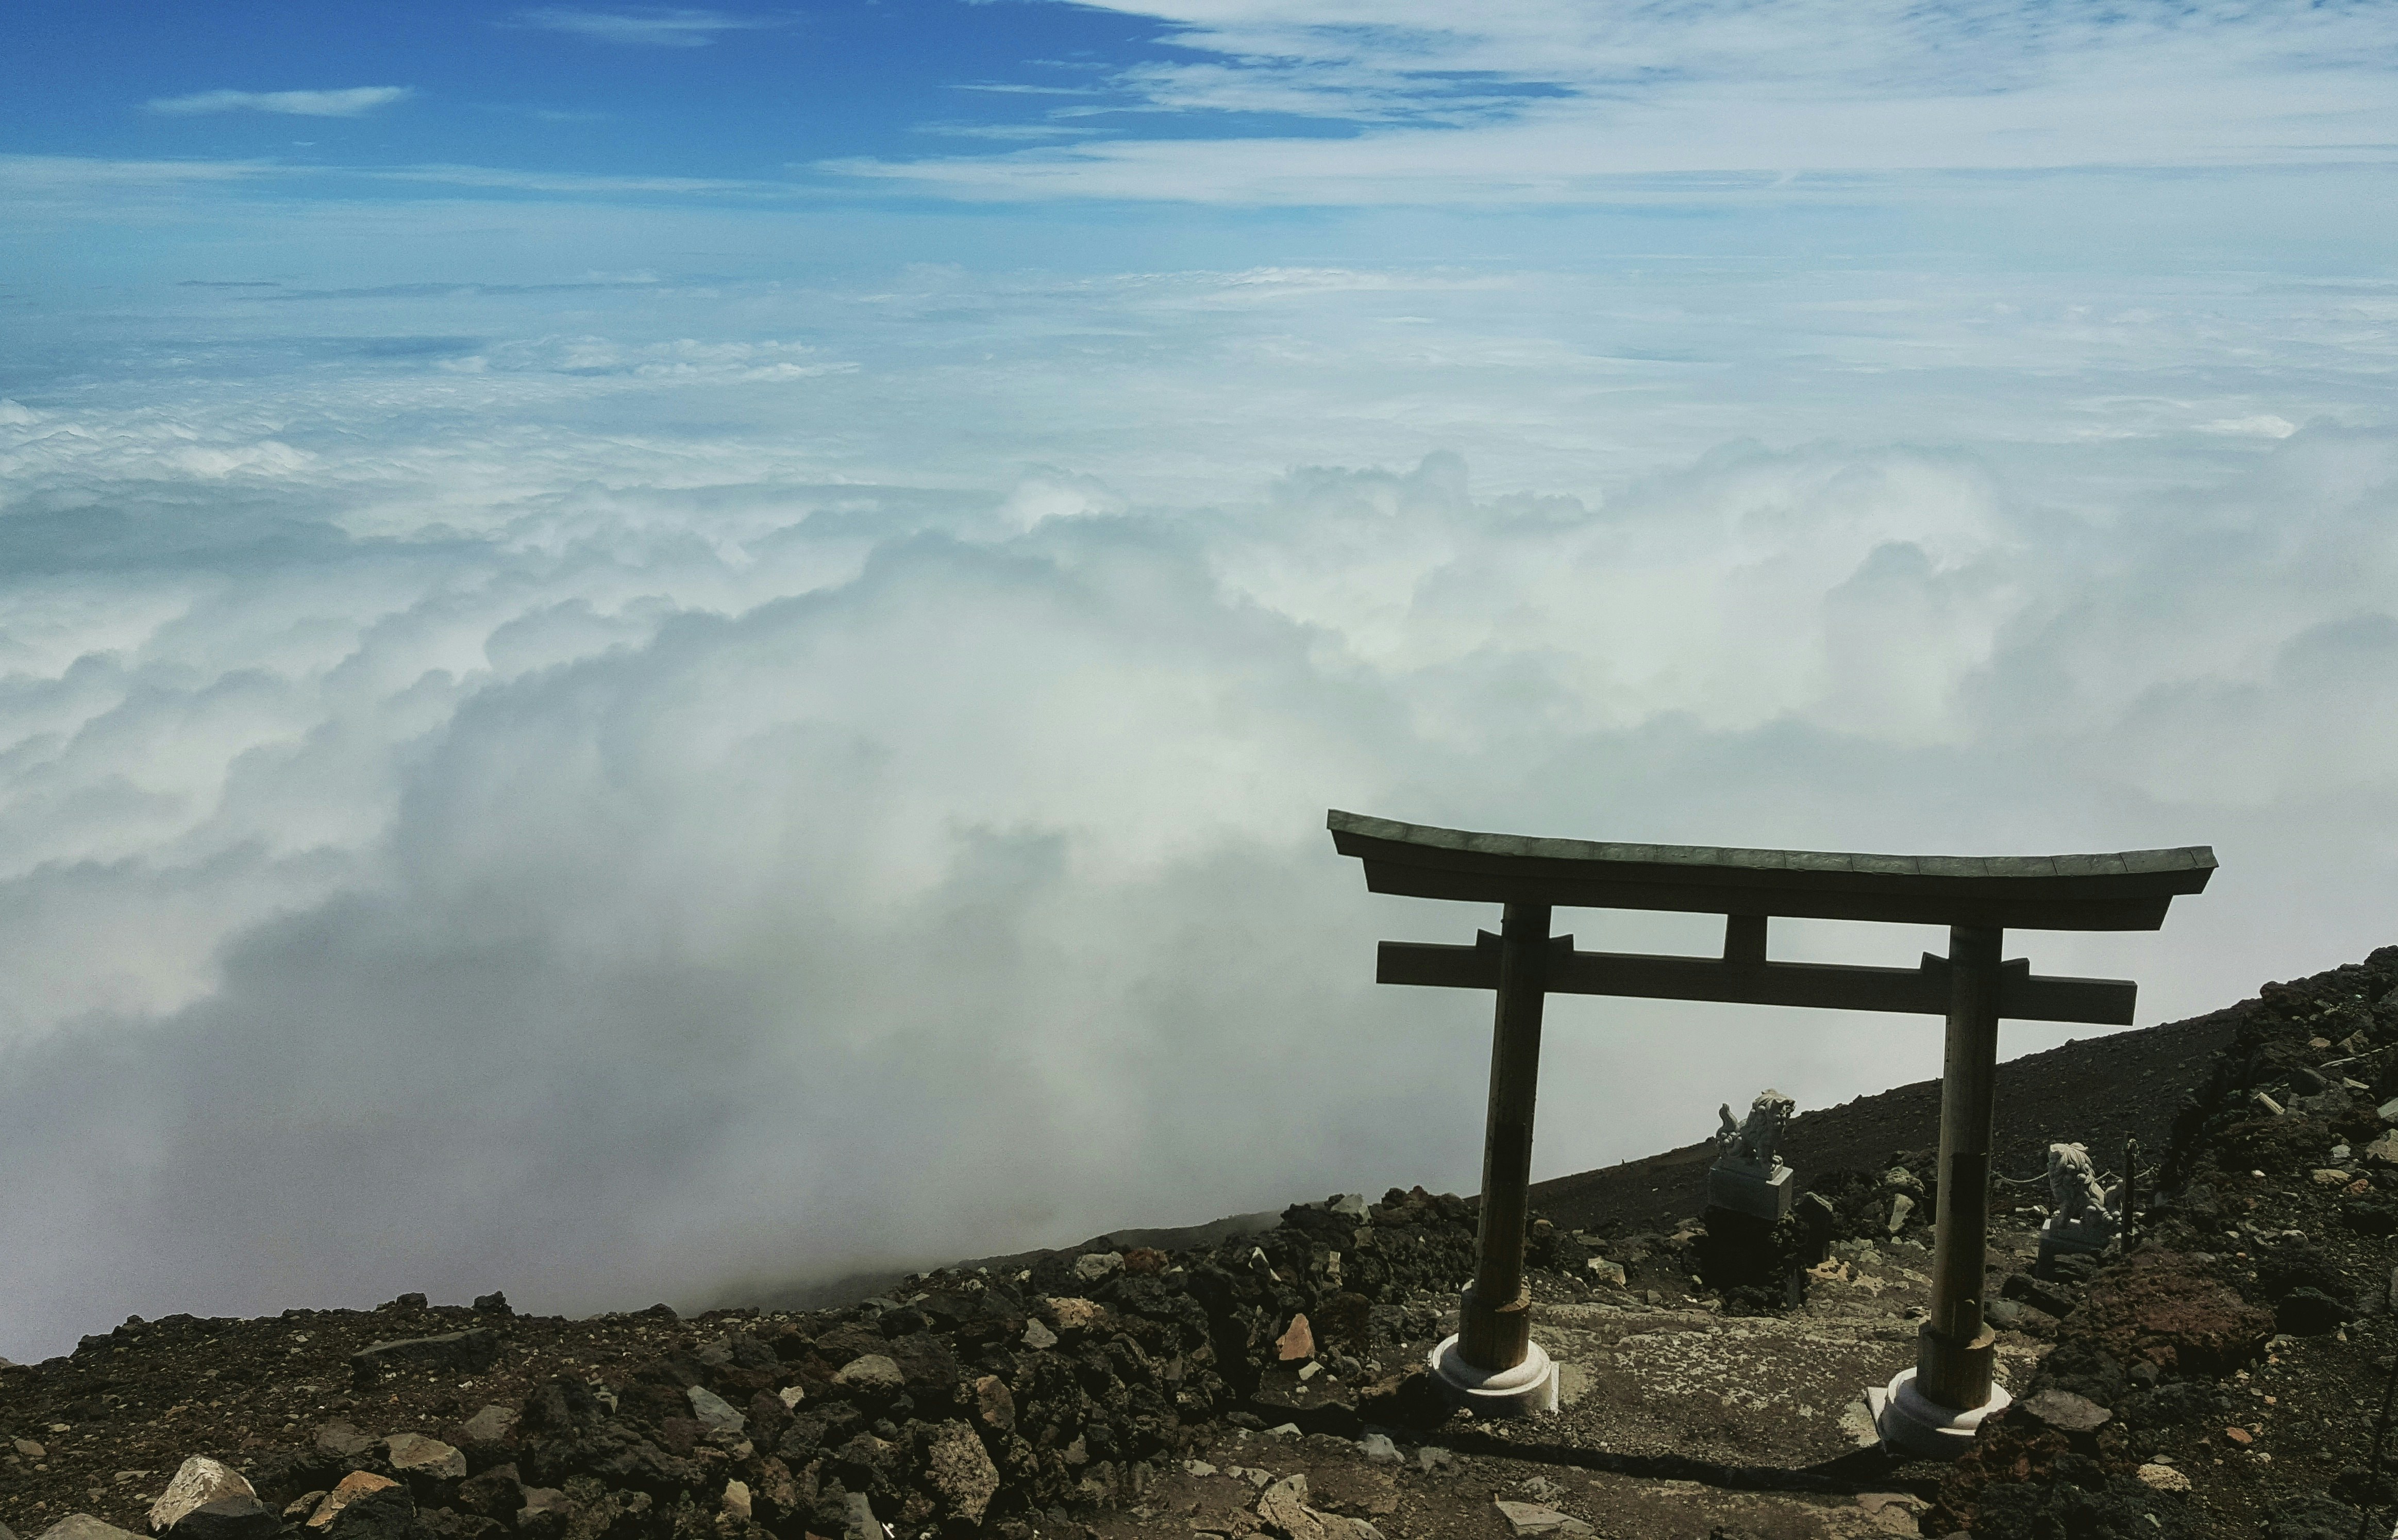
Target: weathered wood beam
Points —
{"points": [[1923, 990], [2122, 890]]}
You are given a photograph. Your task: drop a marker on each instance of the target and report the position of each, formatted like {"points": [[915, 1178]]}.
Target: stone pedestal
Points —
{"points": [[1911, 1423], [1744, 1191], [1529, 1386], [2088, 1235]]}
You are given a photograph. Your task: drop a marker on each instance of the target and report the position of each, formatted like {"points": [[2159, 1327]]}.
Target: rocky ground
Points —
{"points": [[2224, 1376]]}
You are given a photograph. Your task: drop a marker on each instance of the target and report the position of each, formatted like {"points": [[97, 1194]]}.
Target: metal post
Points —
{"points": [[2130, 1202], [1955, 1348], [1494, 1312]]}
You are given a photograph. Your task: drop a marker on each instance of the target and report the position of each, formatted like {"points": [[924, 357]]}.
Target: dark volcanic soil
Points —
{"points": [[2223, 1378]]}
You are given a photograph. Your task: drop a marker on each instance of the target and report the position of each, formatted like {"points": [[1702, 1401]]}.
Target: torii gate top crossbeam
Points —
{"points": [[2128, 890]]}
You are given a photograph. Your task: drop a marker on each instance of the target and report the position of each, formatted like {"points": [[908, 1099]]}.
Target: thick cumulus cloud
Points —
{"points": [[473, 819]]}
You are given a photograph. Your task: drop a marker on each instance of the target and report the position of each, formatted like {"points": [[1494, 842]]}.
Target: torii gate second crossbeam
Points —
{"points": [[1935, 1406]]}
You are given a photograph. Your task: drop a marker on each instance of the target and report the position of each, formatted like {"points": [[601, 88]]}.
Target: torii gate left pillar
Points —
{"points": [[1495, 1311], [1492, 1362]]}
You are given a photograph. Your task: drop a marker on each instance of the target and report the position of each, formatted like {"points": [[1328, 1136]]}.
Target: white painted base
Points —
{"points": [[1529, 1386], [1911, 1423]]}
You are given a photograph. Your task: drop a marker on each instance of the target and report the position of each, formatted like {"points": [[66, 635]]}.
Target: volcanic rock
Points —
{"points": [[1070, 1315], [229, 1518], [2024, 1289], [995, 1405], [960, 1472], [386, 1513], [2307, 1312], [496, 1493], [545, 1511], [201, 1481], [489, 1425], [874, 1373], [1534, 1519], [357, 1485], [470, 1350], [83, 1526], [716, 1414], [2065, 1411], [1282, 1507], [413, 1454]]}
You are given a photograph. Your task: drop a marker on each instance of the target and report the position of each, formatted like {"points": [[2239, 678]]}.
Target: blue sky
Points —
{"points": [[731, 92], [750, 613]]}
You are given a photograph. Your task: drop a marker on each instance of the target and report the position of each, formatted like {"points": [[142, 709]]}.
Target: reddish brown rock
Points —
{"points": [[2163, 1306], [994, 1406], [357, 1485], [1296, 1343]]}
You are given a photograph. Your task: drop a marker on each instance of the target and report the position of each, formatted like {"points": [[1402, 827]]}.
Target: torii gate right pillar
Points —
{"points": [[1953, 1354], [1936, 1407]]}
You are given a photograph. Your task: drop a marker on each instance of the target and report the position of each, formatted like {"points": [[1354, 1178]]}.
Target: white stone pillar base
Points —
{"points": [[1529, 1386], [1911, 1423]]}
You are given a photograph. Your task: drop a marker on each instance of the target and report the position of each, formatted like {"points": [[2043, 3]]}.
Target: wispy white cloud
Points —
{"points": [[38, 175], [97, 181], [1006, 131], [579, 183], [1018, 88], [1542, 100], [651, 27], [352, 102]]}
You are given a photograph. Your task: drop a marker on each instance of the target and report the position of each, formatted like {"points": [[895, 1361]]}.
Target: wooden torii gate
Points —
{"points": [[1977, 898]]}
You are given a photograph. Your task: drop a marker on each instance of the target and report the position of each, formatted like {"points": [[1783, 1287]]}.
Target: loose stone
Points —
{"points": [[200, 1481], [1534, 1519], [490, 1425], [716, 1414], [414, 1455], [960, 1472], [83, 1526], [357, 1485], [870, 1371]]}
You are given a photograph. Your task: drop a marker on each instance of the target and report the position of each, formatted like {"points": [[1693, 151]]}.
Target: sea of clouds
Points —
{"points": [[639, 788]]}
